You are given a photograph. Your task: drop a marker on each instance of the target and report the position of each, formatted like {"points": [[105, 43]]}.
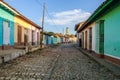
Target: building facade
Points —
{"points": [[26, 32], [15, 29], [100, 31], [6, 26]]}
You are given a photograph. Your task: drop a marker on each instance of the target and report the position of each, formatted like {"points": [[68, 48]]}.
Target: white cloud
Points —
{"points": [[67, 17]]}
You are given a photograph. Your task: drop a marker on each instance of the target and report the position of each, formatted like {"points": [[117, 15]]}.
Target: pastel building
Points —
{"points": [[78, 35], [15, 29], [100, 33], [26, 32], [6, 25]]}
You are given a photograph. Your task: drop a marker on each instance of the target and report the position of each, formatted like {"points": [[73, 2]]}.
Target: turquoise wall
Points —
{"points": [[50, 40], [6, 15], [111, 32], [61, 40], [1, 31], [55, 40]]}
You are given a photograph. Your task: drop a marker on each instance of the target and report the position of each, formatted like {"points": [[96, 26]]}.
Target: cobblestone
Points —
{"points": [[56, 63], [33, 66], [73, 65]]}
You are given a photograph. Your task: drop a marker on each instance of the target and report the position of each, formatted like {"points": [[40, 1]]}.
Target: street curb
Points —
{"points": [[110, 66]]}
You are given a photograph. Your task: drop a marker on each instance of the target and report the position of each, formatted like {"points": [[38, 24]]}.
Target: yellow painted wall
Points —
{"points": [[22, 22], [24, 25]]}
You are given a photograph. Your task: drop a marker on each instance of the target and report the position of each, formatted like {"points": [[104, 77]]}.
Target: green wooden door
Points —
{"points": [[101, 34]]}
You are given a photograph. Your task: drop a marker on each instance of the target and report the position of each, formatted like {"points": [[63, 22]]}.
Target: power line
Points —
{"points": [[51, 18], [38, 2]]}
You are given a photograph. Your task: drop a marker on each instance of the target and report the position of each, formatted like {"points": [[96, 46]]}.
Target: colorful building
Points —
{"points": [[100, 33], [78, 35], [15, 29], [46, 38], [6, 25], [26, 32]]}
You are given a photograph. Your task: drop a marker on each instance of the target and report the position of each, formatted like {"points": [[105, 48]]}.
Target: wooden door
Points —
{"points": [[32, 37], [90, 39], [82, 39], [25, 36], [19, 35], [86, 39], [80, 43], [101, 38], [38, 37]]}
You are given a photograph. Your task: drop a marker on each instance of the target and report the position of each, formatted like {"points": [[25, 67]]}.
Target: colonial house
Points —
{"points": [[100, 33], [77, 27], [26, 32], [55, 40], [16, 29], [46, 38], [6, 25]]}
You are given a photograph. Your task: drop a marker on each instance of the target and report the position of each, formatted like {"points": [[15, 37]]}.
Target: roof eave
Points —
{"points": [[95, 14]]}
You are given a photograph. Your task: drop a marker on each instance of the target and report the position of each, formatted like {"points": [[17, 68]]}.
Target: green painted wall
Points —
{"points": [[55, 40], [111, 32], [5, 14]]}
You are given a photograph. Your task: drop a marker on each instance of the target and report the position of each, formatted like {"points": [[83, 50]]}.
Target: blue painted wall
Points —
{"points": [[50, 40], [11, 25], [1, 31], [44, 39], [12, 33], [8, 16]]}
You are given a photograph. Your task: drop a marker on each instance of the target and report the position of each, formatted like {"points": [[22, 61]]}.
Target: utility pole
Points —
{"points": [[43, 24]]}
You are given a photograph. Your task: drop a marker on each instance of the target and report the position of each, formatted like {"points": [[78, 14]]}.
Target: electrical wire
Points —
{"points": [[48, 15]]}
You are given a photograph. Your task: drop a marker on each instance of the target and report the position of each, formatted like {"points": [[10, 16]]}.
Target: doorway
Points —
{"points": [[90, 39], [82, 39], [19, 35], [6, 33], [25, 36], [86, 39], [101, 38]]}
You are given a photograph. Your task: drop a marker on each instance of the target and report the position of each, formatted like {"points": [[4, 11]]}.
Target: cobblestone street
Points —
{"points": [[63, 62]]}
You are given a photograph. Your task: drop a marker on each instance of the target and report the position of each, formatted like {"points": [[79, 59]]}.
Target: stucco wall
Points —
{"points": [[5, 15], [92, 25], [22, 22], [111, 32], [25, 25]]}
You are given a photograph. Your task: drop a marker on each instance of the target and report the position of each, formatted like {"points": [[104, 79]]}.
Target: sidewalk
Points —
{"points": [[114, 68], [7, 55]]}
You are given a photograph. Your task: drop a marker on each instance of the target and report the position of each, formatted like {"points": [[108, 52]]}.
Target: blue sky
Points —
{"points": [[59, 13]]}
